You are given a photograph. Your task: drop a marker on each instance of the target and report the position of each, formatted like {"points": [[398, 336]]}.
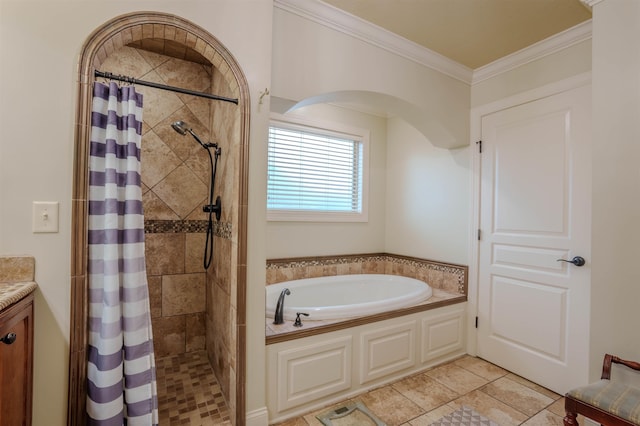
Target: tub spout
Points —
{"points": [[278, 318]]}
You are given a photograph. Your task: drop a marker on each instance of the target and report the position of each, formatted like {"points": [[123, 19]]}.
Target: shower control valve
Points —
{"points": [[214, 208]]}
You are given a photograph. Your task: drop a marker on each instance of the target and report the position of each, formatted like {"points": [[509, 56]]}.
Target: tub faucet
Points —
{"points": [[278, 318]]}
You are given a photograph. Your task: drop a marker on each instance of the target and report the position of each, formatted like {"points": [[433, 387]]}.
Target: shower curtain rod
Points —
{"points": [[132, 80]]}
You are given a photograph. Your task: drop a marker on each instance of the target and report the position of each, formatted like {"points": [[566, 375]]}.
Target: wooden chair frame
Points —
{"points": [[573, 407]]}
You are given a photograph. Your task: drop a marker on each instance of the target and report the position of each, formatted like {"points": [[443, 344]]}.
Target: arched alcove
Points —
{"points": [[427, 122], [172, 36]]}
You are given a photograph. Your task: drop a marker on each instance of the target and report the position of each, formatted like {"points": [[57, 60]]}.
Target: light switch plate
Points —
{"points": [[45, 216]]}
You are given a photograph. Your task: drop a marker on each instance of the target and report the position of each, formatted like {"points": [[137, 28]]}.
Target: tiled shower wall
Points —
{"points": [[449, 277], [192, 309], [175, 176], [221, 313]]}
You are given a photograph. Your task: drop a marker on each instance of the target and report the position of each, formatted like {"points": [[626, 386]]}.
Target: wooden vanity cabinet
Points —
{"points": [[16, 363]]}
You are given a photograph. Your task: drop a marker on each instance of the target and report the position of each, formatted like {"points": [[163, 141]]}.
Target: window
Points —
{"points": [[315, 174]]}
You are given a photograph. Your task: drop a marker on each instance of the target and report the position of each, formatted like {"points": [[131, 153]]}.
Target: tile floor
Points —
{"points": [[423, 398], [188, 394]]}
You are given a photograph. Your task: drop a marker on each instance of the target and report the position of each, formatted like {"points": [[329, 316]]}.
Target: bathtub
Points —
{"points": [[346, 296]]}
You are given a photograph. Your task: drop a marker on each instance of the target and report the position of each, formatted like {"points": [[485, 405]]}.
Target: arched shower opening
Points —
{"points": [[177, 222]]}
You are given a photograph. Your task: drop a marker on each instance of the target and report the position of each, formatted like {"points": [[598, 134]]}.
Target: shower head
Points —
{"points": [[183, 128], [180, 127]]}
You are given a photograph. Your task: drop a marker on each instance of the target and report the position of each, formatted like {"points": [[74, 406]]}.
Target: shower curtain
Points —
{"points": [[121, 388]]}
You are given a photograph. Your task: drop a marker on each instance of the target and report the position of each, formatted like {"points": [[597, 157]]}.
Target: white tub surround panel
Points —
{"points": [[388, 350], [312, 372]]}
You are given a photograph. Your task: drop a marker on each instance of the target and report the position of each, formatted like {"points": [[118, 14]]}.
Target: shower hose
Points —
{"points": [[211, 208]]}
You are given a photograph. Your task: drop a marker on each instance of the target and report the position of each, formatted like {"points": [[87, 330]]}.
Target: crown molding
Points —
{"points": [[590, 3], [548, 46], [339, 20]]}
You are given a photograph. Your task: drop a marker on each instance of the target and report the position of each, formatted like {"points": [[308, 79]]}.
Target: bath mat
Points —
{"points": [[464, 416], [353, 414]]}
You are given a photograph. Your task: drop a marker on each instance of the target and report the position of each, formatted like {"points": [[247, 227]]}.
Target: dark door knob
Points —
{"points": [[9, 338], [578, 261]]}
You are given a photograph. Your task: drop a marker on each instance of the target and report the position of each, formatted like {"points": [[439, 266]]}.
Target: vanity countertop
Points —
{"points": [[11, 293], [17, 275]]}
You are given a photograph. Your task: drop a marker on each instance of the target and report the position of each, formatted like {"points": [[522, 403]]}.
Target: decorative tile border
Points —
{"points": [[220, 229], [445, 276]]}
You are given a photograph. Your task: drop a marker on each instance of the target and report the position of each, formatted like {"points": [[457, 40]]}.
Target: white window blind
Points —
{"points": [[310, 170]]}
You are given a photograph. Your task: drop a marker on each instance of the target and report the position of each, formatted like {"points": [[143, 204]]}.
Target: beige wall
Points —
{"points": [[616, 184], [418, 197], [288, 239], [37, 112], [319, 60], [418, 193], [428, 197]]}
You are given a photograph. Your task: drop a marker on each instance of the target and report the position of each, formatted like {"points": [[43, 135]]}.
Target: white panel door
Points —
{"points": [[535, 208]]}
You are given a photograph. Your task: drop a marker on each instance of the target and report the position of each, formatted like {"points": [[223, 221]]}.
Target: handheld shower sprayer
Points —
{"points": [[180, 127], [183, 128]]}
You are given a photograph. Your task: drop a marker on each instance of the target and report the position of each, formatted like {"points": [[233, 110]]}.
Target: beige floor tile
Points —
{"points": [[491, 408], [557, 407], [544, 418], [433, 415], [457, 378], [390, 406], [296, 421], [517, 395], [425, 391], [533, 386], [481, 367]]}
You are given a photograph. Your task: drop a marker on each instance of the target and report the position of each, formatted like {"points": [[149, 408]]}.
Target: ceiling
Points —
{"points": [[471, 32]]}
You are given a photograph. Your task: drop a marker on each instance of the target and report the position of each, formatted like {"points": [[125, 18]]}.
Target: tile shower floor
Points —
{"points": [[188, 394]]}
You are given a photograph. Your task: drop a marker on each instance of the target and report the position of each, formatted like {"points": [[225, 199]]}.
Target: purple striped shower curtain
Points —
{"points": [[121, 366]]}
